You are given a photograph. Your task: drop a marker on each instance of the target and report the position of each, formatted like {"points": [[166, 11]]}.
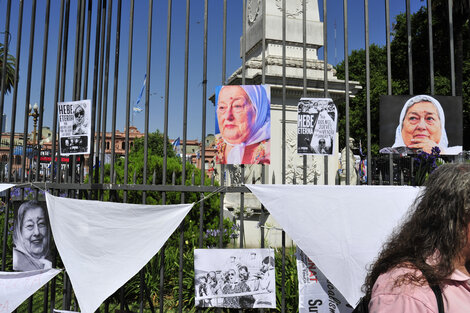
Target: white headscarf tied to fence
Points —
{"points": [[261, 129], [443, 142]]}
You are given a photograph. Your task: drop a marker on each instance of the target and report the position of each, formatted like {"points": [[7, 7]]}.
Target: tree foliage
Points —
{"points": [[421, 67], [10, 69]]}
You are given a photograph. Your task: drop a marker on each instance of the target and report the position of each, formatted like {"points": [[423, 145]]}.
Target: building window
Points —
{"points": [[123, 145], [107, 145]]}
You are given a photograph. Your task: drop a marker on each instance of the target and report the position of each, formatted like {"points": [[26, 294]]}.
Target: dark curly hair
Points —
{"points": [[436, 228]]}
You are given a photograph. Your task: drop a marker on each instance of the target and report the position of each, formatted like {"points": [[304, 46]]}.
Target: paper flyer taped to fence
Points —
{"points": [[235, 278], [316, 292], [316, 126], [75, 127]]}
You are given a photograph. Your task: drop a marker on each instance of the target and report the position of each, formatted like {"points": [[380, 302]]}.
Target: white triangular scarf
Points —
{"points": [[340, 228], [104, 244], [16, 287]]}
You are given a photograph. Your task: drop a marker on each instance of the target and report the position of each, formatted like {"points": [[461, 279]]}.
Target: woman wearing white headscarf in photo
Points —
{"points": [[31, 238], [422, 127], [243, 120]]}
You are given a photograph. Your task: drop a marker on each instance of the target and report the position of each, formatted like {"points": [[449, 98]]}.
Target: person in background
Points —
{"points": [[432, 247], [31, 238]]}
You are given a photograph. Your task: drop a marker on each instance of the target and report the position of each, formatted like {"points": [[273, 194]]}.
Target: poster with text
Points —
{"points": [[414, 124], [316, 292], [316, 126], [243, 124], [75, 127], [31, 237], [235, 278]]}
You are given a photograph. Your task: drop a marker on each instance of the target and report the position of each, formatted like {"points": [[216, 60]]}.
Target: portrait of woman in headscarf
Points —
{"points": [[421, 128], [31, 237], [243, 125]]}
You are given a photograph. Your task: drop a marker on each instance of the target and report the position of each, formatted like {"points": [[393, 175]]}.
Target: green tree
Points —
{"points": [[10, 69]]}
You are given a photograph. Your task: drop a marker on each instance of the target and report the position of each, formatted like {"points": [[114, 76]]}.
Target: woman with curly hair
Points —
{"points": [[431, 248]]}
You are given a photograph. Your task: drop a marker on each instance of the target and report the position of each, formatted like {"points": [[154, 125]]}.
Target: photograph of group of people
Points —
{"points": [[235, 278], [411, 124]]}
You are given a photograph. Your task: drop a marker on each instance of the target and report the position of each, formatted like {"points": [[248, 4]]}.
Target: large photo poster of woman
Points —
{"points": [[243, 124], [31, 237], [235, 278], [412, 124]]}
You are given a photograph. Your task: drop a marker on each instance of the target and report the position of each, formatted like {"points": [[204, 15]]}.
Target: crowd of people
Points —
{"points": [[237, 287]]}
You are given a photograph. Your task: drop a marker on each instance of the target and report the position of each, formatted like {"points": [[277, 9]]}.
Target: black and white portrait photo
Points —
{"points": [[235, 278], [75, 130], [80, 122], [316, 126], [31, 237]]}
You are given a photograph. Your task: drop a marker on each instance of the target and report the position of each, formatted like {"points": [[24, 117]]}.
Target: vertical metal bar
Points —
{"points": [[28, 88], [147, 100], [369, 154], [15, 89], [91, 159], [167, 93], [325, 78], [304, 94], [87, 50], [410, 50], [76, 54], [128, 95], [56, 94], [346, 78], [6, 43], [64, 67], [243, 42], [105, 94], [204, 99], [283, 165], [451, 44], [222, 166], [431, 47], [389, 53], [147, 108], [76, 74], [116, 76], [100, 94], [43, 82], [224, 44], [185, 130]]}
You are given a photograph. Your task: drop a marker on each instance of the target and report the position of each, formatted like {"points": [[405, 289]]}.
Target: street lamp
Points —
{"points": [[34, 112]]}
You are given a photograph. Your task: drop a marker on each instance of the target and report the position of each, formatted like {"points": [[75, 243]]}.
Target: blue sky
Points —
{"points": [[158, 62]]}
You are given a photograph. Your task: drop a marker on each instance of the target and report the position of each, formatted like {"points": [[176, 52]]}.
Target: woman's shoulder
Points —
{"points": [[396, 289]]}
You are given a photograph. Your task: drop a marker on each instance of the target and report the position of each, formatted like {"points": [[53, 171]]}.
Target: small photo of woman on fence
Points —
{"points": [[31, 238]]}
